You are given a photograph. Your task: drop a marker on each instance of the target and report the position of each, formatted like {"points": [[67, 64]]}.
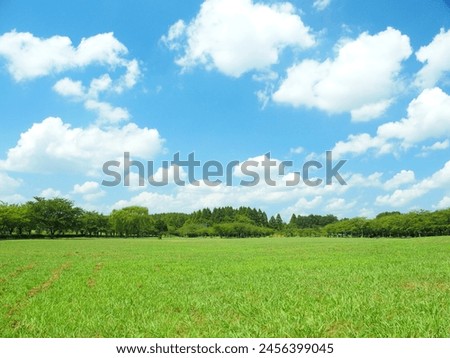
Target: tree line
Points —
{"points": [[59, 217]]}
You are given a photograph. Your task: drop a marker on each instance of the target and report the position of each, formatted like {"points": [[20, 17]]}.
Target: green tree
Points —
{"points": [[57, 215], [131, 221]]}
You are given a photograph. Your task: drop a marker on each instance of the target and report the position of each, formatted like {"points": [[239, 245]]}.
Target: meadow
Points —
{"points": [[265, 287]]}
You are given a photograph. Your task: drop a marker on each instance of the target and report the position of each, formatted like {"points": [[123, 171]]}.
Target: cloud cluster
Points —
{"points": [[29, 57], [399, 179], [402, 197], [89, 191], [436, 59], [238, 36], [296, 199], [361, 79], [8, 188], [53, 146], [428, 117], [106, 113]]}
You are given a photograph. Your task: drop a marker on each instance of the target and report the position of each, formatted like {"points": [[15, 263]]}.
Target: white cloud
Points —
{"points": [[265, 76], [12, 198], [366, 213], [297, 150], [30, 57], [321, 4], [428, 117], [186, 199], [51, 193], [275, 170], [444, 203], [358, 144], [68, 88], [177, 30], [237, 36], [8, 189], [89, 190], [339, 205], [370, 111], [362, 79], [52, 145], [399, 179], [86, 188], [130, 78], [8, 184], [161, 177], [303, 206], [106, 113], [264, 96], [436, 59], [134, 180], [190, 198], [437, 146], [401, 197], [371, 181], [299, 199], [98, 85]]}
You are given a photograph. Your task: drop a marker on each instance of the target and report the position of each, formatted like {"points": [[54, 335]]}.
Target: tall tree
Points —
{"points": [[57, 215]]}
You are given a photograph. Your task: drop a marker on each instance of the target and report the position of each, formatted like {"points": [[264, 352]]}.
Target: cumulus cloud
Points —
{"points": [[399, 179], [273, 168], [52, 145], [29, 57], [436, 59], [69, 88], [7, 184], [304, 206], [401, 197], [362, 79], [437, 146], [89, 190], [357, 144], [370, 111], [186, 199], [8, 189], [339, 205], [237, 36], [299, 198], [428, 117], [51, 193], [444, 203], [160, 177], [106, 113], [190, 198], [130, 78], [371, 181]]}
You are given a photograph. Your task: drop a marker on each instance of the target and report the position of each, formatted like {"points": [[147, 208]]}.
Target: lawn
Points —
{"points": [[270, 287]]}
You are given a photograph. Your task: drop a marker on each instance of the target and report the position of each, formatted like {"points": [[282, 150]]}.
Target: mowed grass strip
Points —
{"points": [[271, 287]]}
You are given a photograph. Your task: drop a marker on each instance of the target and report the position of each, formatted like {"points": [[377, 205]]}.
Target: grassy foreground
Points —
{"points": [[274, 287]]}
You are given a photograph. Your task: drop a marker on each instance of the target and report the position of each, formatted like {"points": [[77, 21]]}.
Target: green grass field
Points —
{"points": [[274, 287]]}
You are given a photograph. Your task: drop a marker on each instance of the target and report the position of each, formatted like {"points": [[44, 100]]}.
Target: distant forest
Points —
{"points": [[59, 217]]}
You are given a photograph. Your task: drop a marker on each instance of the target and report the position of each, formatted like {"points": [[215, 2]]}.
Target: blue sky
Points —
{"points": [[82, 82]]}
